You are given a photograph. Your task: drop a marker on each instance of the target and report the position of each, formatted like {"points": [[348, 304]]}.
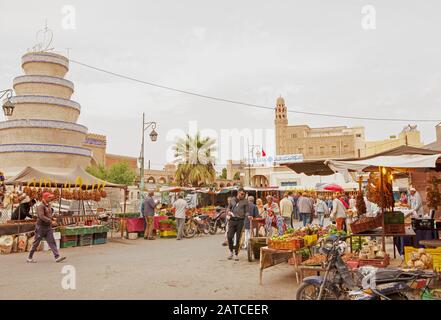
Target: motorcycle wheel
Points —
{"points": [[190, 229], [309, 291], [213, 228], [206, 228]]}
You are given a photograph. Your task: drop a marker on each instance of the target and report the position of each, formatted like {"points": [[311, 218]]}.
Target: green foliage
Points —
{"points": [[223, 174], [196, 163], [98, 171], [119, 173], [236, 176]]}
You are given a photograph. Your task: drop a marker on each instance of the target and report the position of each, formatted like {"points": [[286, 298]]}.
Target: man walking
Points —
{"points": [[306, 209], [237, 211], [148, 213], [180, 205], [43, 229], [286, 209], [251, 214]]}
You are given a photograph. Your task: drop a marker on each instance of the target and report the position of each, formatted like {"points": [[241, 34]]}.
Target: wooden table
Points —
{"points": [[379, 233], [316, 269], [271, 257], [431, 243]]}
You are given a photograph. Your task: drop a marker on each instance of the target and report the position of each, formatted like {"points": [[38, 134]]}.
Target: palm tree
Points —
{"points": [[194, 156]]}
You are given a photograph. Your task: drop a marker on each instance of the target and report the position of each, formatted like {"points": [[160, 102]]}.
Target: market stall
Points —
{"points": [[76, 228], [393, 219]]}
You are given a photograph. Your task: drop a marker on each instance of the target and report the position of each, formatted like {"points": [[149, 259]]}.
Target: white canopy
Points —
{"points": [[406, 161], [402, 161]]}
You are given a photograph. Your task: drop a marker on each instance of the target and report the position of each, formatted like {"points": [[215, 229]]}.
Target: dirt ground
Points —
{"points": [[141, 269]]}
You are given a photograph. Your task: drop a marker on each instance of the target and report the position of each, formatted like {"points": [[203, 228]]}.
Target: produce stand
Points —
{"points": [[379, 233], [271, 257], [70, 184]]}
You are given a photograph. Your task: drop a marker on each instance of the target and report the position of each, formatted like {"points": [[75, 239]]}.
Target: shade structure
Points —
{"points": [[322, 168], [405, 161], [73, 177]]}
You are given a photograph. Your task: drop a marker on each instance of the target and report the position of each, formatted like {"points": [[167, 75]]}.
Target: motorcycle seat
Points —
{"points": [[388, 274]]}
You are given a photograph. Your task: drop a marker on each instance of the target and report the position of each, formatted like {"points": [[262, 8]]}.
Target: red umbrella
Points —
{"points": [[333, 187]]}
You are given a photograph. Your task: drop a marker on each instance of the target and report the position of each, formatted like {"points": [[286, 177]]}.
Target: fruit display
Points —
{"points": [[285, 242], [349, 257], [420, 260], [315, 260]]}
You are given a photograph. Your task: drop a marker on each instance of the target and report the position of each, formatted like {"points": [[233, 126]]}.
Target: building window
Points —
{"points": [[310, 150], [345, 148], [300, 150], [294, 135], [334, 149], [358, 135], [322, 151]]}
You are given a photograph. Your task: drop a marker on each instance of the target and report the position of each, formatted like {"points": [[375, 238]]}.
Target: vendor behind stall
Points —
{"points": [[23, 210], [416, 203]]}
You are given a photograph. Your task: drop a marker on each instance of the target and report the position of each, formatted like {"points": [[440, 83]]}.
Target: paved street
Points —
{"points": [[139, 269]]}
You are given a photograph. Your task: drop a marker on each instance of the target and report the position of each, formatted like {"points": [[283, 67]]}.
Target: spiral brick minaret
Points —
{"points": [[43, 130]]}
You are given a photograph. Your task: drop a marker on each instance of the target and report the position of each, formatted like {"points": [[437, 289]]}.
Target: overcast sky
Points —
{"points": [[314, 53]]}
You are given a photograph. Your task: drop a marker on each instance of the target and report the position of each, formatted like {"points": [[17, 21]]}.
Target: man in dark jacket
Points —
{"points": [[43, 229], [23, 210], [237, 211]]}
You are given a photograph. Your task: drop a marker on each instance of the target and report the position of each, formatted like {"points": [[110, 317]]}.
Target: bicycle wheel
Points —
{"points": [[190, 229]]}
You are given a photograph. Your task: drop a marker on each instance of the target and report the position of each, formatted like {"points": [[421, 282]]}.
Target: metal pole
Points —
{"points": [[249, 168], [142, 155]]}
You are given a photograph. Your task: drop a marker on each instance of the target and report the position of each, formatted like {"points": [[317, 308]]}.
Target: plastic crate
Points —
{"points": [[435, 253], [100, 238], [99, 241], [396, 217], [85, 240], [168, 234], [68, 244], [423, 224], [394, 228], [73, 238]]}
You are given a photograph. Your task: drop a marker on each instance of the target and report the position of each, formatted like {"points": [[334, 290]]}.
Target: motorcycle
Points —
{"points": [[218, 221], [196, 224], [368, 283]]}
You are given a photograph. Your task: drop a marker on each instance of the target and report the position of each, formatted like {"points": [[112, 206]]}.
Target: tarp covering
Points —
{"points": [[77, 176], [320, 168], [400, 162]]}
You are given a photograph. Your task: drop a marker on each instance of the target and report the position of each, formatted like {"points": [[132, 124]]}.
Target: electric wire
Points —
{"points": [[246, 103]]}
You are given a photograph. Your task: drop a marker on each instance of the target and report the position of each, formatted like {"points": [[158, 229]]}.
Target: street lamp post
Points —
{"points": [[153, 138], [8, 107], [251, 149]]}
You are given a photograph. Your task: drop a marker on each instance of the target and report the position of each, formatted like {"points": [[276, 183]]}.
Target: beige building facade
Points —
{"points": [[316, 143], [409, 136]]}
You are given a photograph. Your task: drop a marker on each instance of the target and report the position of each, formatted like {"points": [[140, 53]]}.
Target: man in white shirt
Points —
{"points": [[180, 206], [286, 209], [416, 203]]}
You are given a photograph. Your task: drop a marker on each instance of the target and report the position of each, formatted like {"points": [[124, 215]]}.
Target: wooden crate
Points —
{"points": [[394, 228], [379, 263]]}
